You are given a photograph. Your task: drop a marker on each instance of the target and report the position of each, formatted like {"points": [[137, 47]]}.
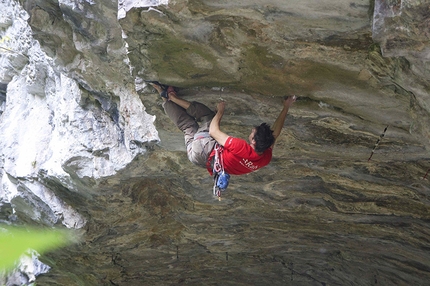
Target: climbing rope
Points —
{"points": [[12, 51]]}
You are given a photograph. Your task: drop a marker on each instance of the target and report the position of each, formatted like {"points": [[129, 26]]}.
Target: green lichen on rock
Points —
{"points": [[176, 59]]}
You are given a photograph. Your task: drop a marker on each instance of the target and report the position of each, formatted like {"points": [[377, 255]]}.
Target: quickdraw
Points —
{"points": [[221, 178]]}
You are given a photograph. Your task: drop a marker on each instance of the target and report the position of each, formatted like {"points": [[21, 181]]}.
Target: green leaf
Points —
{"points": [[14, 242]]}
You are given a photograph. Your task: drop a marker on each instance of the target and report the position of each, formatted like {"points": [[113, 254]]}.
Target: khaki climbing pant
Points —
{"points": [[197, 140]]}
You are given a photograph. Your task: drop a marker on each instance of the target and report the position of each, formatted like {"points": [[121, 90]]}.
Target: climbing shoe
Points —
{"points": [[162, 88]]}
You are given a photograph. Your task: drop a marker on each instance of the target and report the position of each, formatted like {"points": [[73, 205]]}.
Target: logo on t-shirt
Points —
{"points": [[248, 164]]}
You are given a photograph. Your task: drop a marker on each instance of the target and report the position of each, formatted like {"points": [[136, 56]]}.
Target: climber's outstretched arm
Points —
{"points": [[279, 123], [214, 130]]}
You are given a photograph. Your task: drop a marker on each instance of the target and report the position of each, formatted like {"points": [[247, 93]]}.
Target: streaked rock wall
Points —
{"points": [[79, 127]]}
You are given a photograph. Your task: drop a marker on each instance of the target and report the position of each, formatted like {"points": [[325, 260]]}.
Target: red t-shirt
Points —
{"points": [[240, 158]]}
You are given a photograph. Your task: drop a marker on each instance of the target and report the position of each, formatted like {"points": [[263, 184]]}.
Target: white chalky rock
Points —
{"points": [[49, 128]]}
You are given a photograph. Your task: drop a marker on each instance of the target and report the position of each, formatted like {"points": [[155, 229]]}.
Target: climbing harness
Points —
{"points": [[221, 178]]}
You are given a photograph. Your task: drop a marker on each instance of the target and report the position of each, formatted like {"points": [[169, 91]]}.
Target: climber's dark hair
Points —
{"points": [[263, 137]]}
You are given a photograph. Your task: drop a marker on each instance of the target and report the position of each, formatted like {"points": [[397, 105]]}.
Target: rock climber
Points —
{"points": [[239, 156]]}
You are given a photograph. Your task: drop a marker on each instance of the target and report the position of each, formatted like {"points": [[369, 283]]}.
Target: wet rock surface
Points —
{"points": [[326, 211]]}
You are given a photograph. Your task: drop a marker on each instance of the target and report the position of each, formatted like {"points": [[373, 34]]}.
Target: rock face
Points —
{"points": [[86, 144]]}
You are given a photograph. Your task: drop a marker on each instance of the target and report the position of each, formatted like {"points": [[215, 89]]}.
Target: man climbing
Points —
{"points": [[238, 156]]}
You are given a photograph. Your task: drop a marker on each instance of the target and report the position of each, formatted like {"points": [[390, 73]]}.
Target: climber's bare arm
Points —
{"points": [[279, 123], [214, 130]]}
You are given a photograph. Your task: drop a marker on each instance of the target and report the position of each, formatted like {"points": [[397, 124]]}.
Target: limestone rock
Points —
{"points": [[54, 129], [85, 143]]}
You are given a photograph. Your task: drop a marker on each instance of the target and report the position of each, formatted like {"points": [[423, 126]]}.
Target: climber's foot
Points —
{"points": [[161, 88]]}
